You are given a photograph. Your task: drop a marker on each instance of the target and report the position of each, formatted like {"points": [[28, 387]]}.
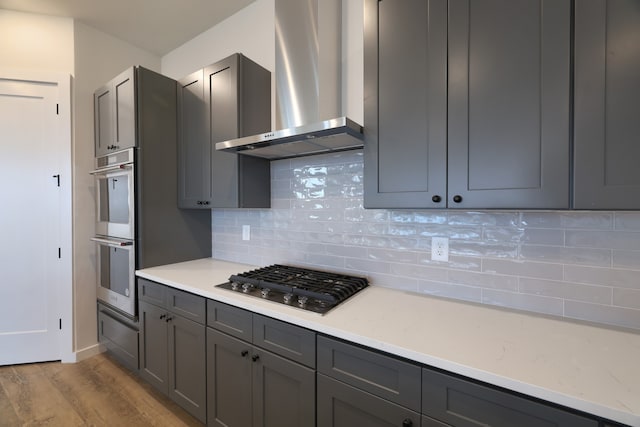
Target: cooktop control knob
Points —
{"points": [[235, 286], [246, 288], [265, 292], [302, 301], [287, 298]]}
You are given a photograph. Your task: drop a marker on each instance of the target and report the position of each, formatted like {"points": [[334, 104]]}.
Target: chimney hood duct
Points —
{"points": [[308, 83]]}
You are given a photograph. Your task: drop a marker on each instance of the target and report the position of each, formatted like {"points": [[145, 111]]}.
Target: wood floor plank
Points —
{"points": [[8, 416], [35, 400], [97, 392]]}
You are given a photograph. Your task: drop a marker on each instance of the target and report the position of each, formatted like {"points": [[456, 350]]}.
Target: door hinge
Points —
{"points": [[58, 178], [57, 108], [60, 323], [59, 252]]}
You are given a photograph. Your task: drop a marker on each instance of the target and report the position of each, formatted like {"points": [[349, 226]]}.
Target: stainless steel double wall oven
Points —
{"points": [[115, 229]]}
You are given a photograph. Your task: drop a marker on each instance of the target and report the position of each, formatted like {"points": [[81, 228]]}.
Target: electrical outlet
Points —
{"points": [[440, 249], [246, 232]]}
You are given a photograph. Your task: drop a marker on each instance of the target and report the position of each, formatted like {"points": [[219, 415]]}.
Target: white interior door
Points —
{"points": [[30, 222]]}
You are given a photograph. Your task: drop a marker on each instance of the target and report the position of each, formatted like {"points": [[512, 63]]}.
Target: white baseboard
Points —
{"points": [[84, 353]]}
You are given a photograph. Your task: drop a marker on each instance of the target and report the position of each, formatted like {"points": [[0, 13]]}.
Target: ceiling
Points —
{"points": [[158, 26]]}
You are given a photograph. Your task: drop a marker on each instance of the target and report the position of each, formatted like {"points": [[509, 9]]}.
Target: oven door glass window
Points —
{"points": [[114, 199], [115, 204], [116, 273]]}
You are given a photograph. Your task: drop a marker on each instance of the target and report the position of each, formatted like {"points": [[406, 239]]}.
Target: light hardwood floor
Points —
{"points": [[95, 392]]}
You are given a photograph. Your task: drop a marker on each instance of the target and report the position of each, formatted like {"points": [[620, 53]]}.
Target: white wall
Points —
{"points": [[98, 58], [36, 42]]}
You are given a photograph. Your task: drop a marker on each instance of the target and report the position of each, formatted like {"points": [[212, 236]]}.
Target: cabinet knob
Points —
{"points": [[436, 199], [244, 353], [168, 319], [457, 198], [162, 316], [255, 357], [407, 423]]}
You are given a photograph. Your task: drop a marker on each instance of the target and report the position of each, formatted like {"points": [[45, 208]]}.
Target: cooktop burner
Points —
{"points": [[312, 290]]}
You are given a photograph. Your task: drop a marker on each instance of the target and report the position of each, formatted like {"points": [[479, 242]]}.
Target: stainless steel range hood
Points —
{"points": [[308, 86]]}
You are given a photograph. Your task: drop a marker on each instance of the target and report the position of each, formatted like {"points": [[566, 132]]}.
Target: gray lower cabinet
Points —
{"points": [[469, 105], [250, 386], [358, 386], [119, 334], [226, 100], [607, 101], [173, 345], [463, 403], [341, 405]]}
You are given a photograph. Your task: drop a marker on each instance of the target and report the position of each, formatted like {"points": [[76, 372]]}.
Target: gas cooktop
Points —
{"points": [[311, 290]]}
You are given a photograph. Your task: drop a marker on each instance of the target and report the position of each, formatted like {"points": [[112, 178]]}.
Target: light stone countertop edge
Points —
{"points": [[584, 367]]}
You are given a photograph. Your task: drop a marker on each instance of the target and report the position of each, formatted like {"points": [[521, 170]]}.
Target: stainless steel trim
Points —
{"points": [[112, 242], [112, 168], [330, 135]]}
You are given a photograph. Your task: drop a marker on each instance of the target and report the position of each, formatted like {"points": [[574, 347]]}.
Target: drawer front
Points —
{"points": [[152, 292], [384, 376], [190, 306], [285, 339], [229, 319], [463, 403], [120, 339], [340, 404]]}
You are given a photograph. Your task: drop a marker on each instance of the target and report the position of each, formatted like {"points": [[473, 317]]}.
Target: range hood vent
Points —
{"points": [[308, 86]]}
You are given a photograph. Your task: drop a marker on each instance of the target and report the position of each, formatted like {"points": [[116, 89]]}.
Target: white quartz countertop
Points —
{"points": [[589, 368]]}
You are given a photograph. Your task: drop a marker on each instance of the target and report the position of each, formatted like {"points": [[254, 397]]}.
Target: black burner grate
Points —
{"points": [[324, 286]]}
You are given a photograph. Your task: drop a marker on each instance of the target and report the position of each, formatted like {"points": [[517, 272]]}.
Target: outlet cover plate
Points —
{"points": [[440, 249]]}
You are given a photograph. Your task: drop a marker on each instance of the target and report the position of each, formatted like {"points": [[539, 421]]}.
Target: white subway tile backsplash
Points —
{"points": [[539, 304], [618, 278], [566, 290], [580, 265], [566, 255]]}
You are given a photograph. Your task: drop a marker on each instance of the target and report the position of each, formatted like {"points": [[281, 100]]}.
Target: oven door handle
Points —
{"points": [[112, 242], [111, 169]]}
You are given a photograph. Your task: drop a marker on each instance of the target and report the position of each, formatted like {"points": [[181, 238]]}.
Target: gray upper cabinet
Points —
{"points": [[229, 99], [607, 101], [509, 103], [194, 149], [115, 114], [478, 115], [405, 104]]}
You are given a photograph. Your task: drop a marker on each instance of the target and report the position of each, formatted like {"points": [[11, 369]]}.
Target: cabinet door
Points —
{"points": [[340, 405], [221, 93], [284, 392], [508, 116], [405, 104], [607, 101], [103, 117], [187, 365], [229, 398], [124, 110], [154, 364], [194, 147]]}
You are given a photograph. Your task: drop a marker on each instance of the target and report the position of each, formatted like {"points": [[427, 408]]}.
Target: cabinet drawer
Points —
{"points": [[390, 378], [152, 292], [120, 338], [464, 403], [191, 306], [343, 405], [290, 341], [229, 319]]}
